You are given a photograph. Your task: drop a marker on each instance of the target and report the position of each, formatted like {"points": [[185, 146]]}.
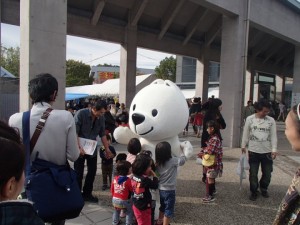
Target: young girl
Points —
{"points": [[166, 168], [141, 185], [133, 148], [213, 149], [121, 190], [12, 161], [289, 208]]}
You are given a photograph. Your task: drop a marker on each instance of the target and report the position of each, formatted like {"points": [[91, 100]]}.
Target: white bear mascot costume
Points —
{"points": [[158, 112]]}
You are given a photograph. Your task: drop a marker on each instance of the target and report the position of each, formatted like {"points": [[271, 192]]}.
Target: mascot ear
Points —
{"points": [[158, 81], [187, 149]]}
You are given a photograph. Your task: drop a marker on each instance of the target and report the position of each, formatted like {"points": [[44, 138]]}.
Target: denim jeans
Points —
{"points": [[125, 205], [266, 162], [167, 202]]}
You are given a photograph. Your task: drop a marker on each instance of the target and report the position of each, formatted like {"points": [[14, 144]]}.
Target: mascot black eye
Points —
{"points": [[133, 108], [154, 112]]}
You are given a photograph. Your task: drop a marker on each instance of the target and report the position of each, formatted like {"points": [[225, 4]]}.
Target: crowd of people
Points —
{"points": [[136, 177]]}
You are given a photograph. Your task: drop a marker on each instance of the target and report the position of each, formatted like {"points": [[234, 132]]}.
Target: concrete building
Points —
{"points": [[264, 85], [245, 36], [103, 73]]}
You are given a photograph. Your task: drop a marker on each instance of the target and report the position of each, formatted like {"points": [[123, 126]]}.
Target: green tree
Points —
{"points": [[166, 69], [77, 73], [107, 65], [10, 59]]}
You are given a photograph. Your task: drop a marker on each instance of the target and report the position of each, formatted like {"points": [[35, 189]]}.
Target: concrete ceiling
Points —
{"points": [[181, 27]]}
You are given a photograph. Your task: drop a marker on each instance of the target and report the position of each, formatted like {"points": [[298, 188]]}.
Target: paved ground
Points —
{"points": [[231, 206]]}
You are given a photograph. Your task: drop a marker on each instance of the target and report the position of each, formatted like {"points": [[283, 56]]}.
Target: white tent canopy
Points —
{"points": [[111, 87]]}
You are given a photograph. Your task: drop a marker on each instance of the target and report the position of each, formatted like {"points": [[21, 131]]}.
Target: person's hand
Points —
{"points": [[108, 154], [274, 154], [81, 150], [152, 173], [200, 155], [244, 150]]}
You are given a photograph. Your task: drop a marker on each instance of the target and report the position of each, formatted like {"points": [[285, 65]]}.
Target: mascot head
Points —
{"points": [[158, 111]]}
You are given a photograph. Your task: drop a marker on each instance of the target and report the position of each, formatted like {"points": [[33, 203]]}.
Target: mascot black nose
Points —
{"points": [[137, 118]]}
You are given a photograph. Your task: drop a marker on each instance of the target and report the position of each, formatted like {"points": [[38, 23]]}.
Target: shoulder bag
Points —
{"points": [[52, 188]]}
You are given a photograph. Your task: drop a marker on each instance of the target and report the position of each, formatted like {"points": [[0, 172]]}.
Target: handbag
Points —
{"points": [[52, 188], [208, 160]]}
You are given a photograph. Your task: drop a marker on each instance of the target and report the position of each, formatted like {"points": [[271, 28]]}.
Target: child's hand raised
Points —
{"points": [[152, 173]]}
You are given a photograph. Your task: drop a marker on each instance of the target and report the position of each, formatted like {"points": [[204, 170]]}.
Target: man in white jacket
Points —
{"points": [[261, 139]]}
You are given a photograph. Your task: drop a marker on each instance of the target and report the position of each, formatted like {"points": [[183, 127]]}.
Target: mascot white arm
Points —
{"points": [[157, 113]]}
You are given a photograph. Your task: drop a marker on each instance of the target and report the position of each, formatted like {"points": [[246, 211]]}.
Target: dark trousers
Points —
{"points": [[187, 126], [91, 173], [107, 172], [266, 162]]}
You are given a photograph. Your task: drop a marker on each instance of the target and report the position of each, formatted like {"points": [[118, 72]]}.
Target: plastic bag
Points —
{"points": [[199, 161], [242, 166]]}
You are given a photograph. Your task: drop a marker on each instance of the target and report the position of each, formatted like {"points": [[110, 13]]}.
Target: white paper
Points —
{"points": [[88, 145]]}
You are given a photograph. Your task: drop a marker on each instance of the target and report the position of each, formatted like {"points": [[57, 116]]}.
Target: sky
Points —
{"points": [[89, 51]]}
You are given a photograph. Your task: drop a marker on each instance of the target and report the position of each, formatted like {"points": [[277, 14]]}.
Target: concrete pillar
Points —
{"points": [[232, 71], [278, 88], [128, 67], [296, 79], [283, 89], [249, 85], [202, 68], [179, 68], [43, 28]]}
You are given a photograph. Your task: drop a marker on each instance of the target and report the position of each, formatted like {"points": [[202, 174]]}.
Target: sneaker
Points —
{"points": [[265, 194], [253, 196], [208, 199], [214, 192], [104, 187], [118, 222], [90, 198]]}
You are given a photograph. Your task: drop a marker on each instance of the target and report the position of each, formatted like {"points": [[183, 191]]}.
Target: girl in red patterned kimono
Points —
{"points": [[289, 209], [213, 152]]}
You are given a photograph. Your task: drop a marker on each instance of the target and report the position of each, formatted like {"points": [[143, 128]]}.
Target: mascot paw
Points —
{"points": [[123, 135], [187, 149]]}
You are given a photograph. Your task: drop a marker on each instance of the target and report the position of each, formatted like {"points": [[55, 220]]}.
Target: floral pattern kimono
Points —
{"points": [[289, 209]]}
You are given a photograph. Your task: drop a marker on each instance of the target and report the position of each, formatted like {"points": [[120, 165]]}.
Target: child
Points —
{"points": [[198, 121], [12, 162], [213, 148], [122, 119], [153, 191], [121, 190], [166, 167], [120, 157], [141, 185], [133, 148], [107, 164]]}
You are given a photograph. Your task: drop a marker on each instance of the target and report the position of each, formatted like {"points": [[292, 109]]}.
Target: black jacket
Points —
{"points": [[141, 185]]}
